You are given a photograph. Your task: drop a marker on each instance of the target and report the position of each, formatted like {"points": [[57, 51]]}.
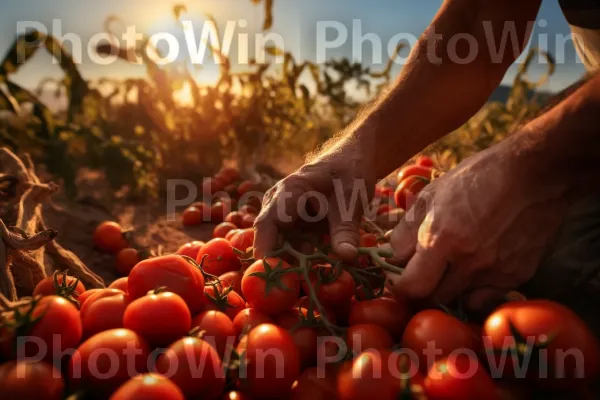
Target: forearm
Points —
{"points": [[436, 92], [560, 150]]}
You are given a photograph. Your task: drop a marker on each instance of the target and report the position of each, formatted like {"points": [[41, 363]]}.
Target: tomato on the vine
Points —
{"points": [[269, 287], [368, 240], [217, 257], [181, 363], [446, 332], [225, 300], [69, 288], [268, 377], [26, 380], [332, 286], [148, 387], [108, 237], [243, 239], [249, 318], [217, 328], [383, 311], [305, 337], [160, 318], [172, 272], [218, 211], [232, 279], [192, 216]]}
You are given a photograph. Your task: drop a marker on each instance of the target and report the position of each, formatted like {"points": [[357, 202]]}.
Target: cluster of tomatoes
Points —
{"points": [[225, 188]]}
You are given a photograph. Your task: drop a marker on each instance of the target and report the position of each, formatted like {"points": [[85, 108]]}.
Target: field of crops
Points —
{"points": [[103, 294]]}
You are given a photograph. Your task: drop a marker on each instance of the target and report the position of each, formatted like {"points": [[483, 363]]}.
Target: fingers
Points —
{"points": [[344, 230]]}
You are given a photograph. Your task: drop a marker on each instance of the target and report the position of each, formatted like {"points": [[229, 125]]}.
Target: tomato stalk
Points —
{"points": [[64, 289]]}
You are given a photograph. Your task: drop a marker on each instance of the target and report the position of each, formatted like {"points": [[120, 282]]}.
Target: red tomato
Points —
{"points": [[212, 185], [230, 234], [218, 211], [225, 300], [192, 216], [148, 387], [385, 312], [173, 273], [383, 208], [218, 329], [415, 170], [223, 229], [425, 161], [304, 337], [126, 260], [121, 284], [190, 249], [245, 187], [195, 367], [407, 191], [235, 218], [46, 329], [268, 288], [69, 288], [30, 381], [331, 290], [230, 173], [361, 337], [220, 257], [243, 239], [446, 332], [311, 385], [125, 355], [232, 279], [247, 319], [543, 324], [100, 294], [372, 375], [248, 221], [368, 240], [104, 313], [459, 377], [108, 237], [247, 209], [160, 318], [269, 377], [86, 295]]}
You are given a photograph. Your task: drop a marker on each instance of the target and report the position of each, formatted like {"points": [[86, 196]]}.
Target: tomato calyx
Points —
{"points": [[207, 277], [22, 321], [245, 256], [220, 299], [271, 275], [64, 289]]}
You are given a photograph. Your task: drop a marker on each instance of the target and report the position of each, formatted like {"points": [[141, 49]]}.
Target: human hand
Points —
{"points": [[481, 230], [337, 186]]}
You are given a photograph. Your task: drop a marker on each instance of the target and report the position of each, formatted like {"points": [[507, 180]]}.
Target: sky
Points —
{"points": [[295, 21]]}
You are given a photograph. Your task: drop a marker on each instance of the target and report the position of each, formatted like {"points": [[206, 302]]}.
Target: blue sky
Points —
{"points": [[296, 21]]}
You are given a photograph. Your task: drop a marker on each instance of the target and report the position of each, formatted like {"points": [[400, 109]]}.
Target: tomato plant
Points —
{"points": [[173, 273], [217, 329], [333, 286], [232, 279], [268, 377], [26, 380], [148, 387], [128, 358], [108, 237], [303, 335], [269, 287], [126, 260], [195, 367], [160, 318], [217, 257]]}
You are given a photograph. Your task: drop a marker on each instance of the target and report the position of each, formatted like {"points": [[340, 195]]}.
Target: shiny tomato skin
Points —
{"points": [[125, 356], [231, 307], [304, 337], [121, 284], [311, 385], [26, 380], [192, 216], [407, 191], [277, 299], [223, 229], [445, 331], [220, 257], [361, 337], [565, 332], [235, 218], [104, 313], [86, 295], [218, 329], [243, 239], [425, 161], [245, 187], [126, 260], [45, 287], [459, 377], [181, 362], [159, 318], [190, 249], [173, 273], [148, 387], [334, 293], [248, 319], [100, 294], [232, 279], [231, 234], [415, 170], [108, 237], [388, 313], [248, 221], [369, 377], [269, 377], [218, 211]]}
